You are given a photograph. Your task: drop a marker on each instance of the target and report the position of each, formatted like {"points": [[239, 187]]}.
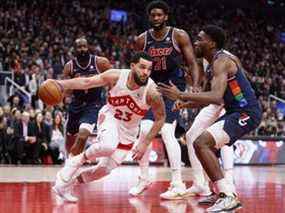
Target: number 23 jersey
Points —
{"points": [[128, 107]]}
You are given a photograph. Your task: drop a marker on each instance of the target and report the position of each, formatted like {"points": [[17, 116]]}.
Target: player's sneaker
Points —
{"points": [[65, 193], [195, 190], [142, 185], [64, 189], [209, 200], [176, 191], [225, 203]]}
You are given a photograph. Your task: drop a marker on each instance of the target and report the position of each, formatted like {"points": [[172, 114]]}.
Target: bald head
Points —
{"points": [[80, 41]]}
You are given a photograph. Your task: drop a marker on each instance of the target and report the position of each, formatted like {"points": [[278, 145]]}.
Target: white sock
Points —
{"points": [[224, 186], [176, 175], [173, 150], [229, 175], [144, 172], [72, 164], [146, 126], [199, 178], [227, 156], [144, 164]]}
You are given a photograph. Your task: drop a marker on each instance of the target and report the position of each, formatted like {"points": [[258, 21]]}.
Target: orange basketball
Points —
{"points": [[50, 92]]}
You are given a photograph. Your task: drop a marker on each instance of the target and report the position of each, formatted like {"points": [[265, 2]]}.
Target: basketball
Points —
{"points": [[50, 92]]}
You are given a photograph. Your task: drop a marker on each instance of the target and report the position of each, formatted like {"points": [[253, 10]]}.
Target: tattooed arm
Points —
{"points": [[154, 99]]}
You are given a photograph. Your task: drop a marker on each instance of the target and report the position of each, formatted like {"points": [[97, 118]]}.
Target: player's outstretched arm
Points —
{"points": [[222, 67], [107, 78]]}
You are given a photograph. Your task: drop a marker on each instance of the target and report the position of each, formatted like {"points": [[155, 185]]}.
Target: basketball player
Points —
{"points": [[132, 93], [168, 46], [229, 86], [205, 118], [85, 104]]}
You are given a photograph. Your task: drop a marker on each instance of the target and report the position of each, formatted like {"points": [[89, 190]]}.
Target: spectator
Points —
{"points": [[43, 135], [25, 143], [57, 140]]}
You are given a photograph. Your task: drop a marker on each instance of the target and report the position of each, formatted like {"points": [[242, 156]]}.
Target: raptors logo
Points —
{"points": [[127, 101]]}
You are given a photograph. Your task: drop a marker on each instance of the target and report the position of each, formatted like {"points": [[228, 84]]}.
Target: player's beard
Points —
{"points": [[138, 81], [82, 56], [159, 27]]}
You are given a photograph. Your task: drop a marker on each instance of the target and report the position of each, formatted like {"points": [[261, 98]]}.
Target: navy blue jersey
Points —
{"points": [[85, 98], [167, 58], [239, 95]]}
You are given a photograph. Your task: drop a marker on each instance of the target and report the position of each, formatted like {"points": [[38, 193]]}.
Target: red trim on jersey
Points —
{"points": [[125, 146]]}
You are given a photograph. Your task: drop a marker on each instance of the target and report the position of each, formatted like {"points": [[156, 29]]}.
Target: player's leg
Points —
{"points": [[206, 117], [87, 123], [106, 143], [177, 187], [71, 130], [105, 166], [143, 181], [65, 177], [217, 136], [227, 157]]}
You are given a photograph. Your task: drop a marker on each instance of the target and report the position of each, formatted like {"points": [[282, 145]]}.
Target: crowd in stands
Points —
{"points": [[36, 40]]}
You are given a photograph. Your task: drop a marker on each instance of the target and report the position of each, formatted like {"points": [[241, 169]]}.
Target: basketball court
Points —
{"points": [[28, 190]]}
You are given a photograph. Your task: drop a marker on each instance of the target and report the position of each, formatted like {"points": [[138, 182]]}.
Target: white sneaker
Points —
{"points": [[195, 190], [225, 203], [65, 193], [175, 191], [64, 189], [142, 185]]}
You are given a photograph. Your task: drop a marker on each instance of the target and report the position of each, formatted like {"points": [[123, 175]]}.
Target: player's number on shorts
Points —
{"points": [[160, 63], [125, 116]]}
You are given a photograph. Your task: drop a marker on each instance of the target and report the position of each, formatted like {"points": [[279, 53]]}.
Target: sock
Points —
{"points": [[173, 150], [229, 175], [225, 187], [227, 156], [72, 164], [176, 175], [144, 172]]}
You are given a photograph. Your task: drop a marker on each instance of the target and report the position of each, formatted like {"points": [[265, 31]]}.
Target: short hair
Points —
{"points": [[137, 56], [158, 4], [217, 34]]}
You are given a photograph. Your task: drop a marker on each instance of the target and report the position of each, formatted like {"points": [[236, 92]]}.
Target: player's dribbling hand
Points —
{"points": [[139, 151]]}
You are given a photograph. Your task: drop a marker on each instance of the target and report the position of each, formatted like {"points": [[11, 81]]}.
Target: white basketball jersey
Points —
{"points": [[128, 106]]}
